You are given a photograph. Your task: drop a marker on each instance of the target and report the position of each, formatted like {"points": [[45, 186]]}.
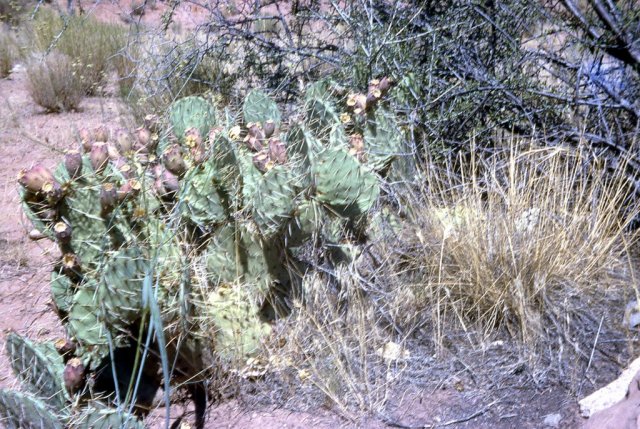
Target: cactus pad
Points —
{"points": [[40, 367], [201, 203], [239, 331], [23, 411], [274, 200], [103, 417], [343, 184], [258, 107], [62, 290], [321, 116], [192, 112], [383, 139]]}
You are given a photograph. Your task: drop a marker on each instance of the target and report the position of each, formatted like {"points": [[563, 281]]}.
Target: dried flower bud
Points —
{"points": [[62, 231]]}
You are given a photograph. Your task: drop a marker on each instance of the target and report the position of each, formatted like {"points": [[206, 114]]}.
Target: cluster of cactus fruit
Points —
{"points": [[207, 215]]}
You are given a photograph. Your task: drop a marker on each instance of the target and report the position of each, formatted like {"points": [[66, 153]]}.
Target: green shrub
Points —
{"points": [[53, 83], [90, 44]]}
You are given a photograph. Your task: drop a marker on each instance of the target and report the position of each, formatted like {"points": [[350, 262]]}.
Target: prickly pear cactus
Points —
{"points": [[343, 184], [274, 201], [62, 289], [382, 138], [23, 411], [211, 222], [192, 112], [321, 116], [258, 107], [239, 329], [99, 416], [201, 202], [39, 367]]}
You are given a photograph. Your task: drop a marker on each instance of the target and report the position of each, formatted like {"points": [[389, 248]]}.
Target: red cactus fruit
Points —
{"points": [[62, 231], [101, 133], [269, 128], [64, 346], [113, 151], [70, 263], [252, 143], [86, 139], [99, 156], [262, 161], [73, 375], [277, 151], [173, 161], [124, 141], [129, 190], [255, 130], [73, 163], [34, 178], [108, 198]]}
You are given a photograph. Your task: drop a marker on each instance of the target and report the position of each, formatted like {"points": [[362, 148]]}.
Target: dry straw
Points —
{"points": [[521, 240]]}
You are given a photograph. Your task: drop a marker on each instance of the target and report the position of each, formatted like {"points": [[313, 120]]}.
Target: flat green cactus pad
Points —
{"points": [[235, 254], [321, 117], [86, 327], [103, 417], [258, 107], [90, 233], [119, 295], [192, 112], [201, 203], [274, 200], [39, 367], [382, 139], [239, 330], [23, 411], [343, 184], [62, 290]]}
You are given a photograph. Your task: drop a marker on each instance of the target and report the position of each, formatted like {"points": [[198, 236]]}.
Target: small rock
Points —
{"points": [[552, 420], [36, 235]]}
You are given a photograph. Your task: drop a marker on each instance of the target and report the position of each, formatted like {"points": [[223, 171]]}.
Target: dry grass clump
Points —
{"points": [[90, 44], [521, 240], [53, 83], [333, 343], [8, 51]]}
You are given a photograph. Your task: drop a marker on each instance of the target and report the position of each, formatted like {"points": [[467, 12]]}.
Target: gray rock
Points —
{"points": [[552, 420]]}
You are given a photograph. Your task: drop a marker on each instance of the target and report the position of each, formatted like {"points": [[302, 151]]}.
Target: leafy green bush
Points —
{"points": [[53, 83], [90, 44]]}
